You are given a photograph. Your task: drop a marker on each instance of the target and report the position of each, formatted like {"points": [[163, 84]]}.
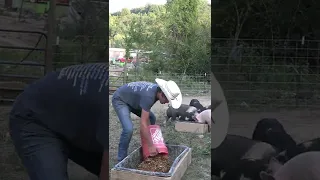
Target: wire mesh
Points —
{"points": [[265, 73], [197, 84], [82, 36]]}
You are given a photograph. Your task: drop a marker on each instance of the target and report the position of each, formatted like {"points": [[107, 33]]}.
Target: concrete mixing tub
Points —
{"points": [[179, 156]]}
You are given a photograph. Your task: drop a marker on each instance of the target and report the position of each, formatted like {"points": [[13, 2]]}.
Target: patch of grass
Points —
{"points": [[18, 56], [61, 11], [200, 167]]}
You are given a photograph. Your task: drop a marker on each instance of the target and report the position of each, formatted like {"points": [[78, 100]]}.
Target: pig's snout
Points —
{"points": [[194, 117]]}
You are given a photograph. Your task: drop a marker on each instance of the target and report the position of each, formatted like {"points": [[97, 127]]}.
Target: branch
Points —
{"points": [[268, 18], [293, 20]]}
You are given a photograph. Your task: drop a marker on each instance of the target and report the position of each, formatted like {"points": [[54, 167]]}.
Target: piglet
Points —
{"points": [[271, 131], [204, 118], [238, 157], [196, 103], [306, 146], [183, 113], [305, 166]]}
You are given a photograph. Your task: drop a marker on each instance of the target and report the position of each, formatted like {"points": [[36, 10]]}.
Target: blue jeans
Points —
{"points": [[44, 153], [123, 112]]}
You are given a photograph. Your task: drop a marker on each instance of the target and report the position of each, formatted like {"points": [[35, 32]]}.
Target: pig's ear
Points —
{"points": [[265, 176]]}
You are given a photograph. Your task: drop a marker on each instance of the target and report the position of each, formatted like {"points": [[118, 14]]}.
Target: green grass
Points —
{"points": [[61, 11], [200, 167], [17, 56]]}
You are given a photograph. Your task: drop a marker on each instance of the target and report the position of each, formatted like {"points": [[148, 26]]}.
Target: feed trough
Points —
{"points": [[179, 158], [192, 127]]}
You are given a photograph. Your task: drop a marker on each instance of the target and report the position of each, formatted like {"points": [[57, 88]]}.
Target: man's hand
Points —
{"points": [[144, 127], [153, 150]]}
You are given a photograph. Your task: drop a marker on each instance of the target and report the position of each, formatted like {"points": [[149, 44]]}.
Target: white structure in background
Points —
{"points": [[75, 7], [116, 52], [121, 52]]}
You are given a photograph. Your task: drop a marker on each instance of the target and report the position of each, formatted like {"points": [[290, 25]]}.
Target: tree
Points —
{"points": [[178, 34]]}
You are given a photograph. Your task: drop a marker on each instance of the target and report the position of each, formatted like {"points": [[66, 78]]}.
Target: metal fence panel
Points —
{"points": [[197, 84], [265, 74], [20, 64]]}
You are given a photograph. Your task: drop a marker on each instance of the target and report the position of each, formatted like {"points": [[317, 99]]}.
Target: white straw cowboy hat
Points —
{"points": [[172, 91]]}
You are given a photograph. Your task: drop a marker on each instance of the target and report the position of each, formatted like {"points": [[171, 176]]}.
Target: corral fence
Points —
{"points": [[20, 65], [268, 74], [116, 79], [190, 85]]}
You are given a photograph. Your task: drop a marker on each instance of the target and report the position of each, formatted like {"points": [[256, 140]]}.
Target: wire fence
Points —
{"points": [[70, 52], [22, 47], [195, 85], [82, 36], [267, 74], [79, 50]]}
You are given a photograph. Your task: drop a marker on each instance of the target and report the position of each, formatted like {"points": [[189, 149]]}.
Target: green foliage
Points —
{"points": [[263, 50], [266, 18], [85, 38], [189, 84], [178, 34]]}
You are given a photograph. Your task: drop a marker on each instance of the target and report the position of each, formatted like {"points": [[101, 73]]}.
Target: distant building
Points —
{"points": [[116, 52]]}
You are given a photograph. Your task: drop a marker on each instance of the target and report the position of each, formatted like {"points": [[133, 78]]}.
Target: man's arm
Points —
{"points": [[104, 172], [144, 123], [146, 104]]}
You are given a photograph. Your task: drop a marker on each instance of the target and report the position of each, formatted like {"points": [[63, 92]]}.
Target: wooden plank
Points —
{"points": [[191, 127], [113, 88], [182, 166], [19, 78], [6, 102], [178, 173], [9, 93]]}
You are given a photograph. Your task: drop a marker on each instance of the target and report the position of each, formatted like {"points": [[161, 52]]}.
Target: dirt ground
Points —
{"points": [[11, 168], [302, 125], [200, 145], [10, 21]]}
